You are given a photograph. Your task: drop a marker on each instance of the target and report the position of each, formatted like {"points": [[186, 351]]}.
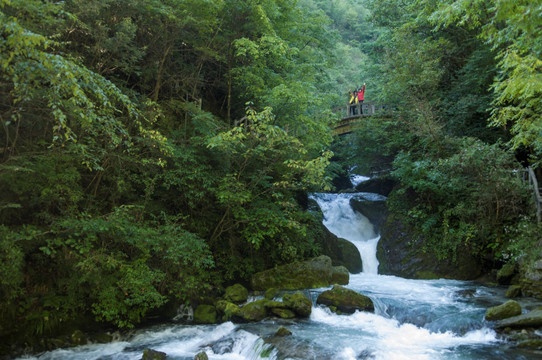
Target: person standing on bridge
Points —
{"points": [[351, 102], [361, 97]]}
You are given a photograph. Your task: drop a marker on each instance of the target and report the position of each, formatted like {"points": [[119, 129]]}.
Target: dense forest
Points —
{"points": [[156, 151]]}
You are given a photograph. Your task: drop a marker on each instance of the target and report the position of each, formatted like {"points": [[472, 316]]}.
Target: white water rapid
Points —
{"points": [[413, 319]]}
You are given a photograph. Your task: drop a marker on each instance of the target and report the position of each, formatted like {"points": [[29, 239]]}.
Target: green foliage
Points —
{"points": [[266, 164], [525, 234], [129, 172], [512, 28], [119, 264], [464, 200], [11, 268]]}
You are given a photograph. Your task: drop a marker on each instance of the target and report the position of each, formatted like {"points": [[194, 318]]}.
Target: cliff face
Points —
{"points": [[401, 252]]}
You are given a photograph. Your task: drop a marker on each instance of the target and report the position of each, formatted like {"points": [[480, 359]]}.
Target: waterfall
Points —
{"points": [[344, 222]]}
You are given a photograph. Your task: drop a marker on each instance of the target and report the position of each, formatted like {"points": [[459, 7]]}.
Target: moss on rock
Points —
{"points": [[345, 300], [282, 331], [507, 310], [299, 303], [313, 273], [227, 310], [237, 294], [205, 314], [340, 275], [149, 354], [506, 274], [514, 291], [532, 319], [283, 313], [254, 311]]}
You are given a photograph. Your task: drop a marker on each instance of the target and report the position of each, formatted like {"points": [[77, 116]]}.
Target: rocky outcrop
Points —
{"points": [[507, 310], [292, 306], [531, 319], [344, 300], [313, 273], [514, 291], [401, 252], [506, 274], [531, 275], [237, 294]]}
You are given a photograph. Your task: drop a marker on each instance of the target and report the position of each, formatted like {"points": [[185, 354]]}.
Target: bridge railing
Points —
{"points": [[356, 110]]}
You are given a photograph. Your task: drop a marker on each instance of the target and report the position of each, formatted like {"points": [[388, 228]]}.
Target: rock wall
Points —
{"points": [[400, 252]]}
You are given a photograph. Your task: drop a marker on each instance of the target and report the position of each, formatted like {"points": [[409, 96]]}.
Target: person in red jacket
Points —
{"points": [[361, 97]]}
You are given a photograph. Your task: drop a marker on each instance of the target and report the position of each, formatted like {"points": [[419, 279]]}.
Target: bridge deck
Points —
{"points": [[354, 113]]}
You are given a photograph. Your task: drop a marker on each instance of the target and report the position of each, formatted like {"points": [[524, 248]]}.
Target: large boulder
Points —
{"points": [[237, 294], [507, 310], [228, 310], [345, 300], [340, 275], [205, 314], [531, 319], [299, 303], [254, 311], [313, 273], [342, 252]]}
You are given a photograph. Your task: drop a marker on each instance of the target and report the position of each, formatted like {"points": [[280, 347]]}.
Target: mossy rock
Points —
{"points": [[237, 294], [507, 310], [313, 273], [532, 319], [254, 311], [283, 313], [299, 303], [201, 356], [506, 274], [345, 300], [205, 314], [514, 291], [228, 310], [340, 275], [282, 331], [271, 293], [275, 304], [149, 354]]}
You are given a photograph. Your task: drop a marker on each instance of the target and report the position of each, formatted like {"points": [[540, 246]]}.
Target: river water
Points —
{"points": [[413, 319]]}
